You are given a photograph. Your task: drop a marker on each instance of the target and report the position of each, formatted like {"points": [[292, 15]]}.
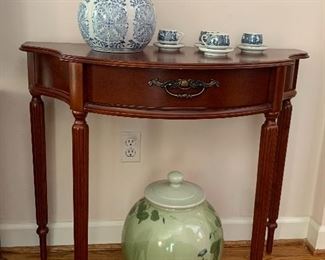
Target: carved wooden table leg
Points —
{"points": [[80, 139], [284, 125], [39, 162], [263, 186]]}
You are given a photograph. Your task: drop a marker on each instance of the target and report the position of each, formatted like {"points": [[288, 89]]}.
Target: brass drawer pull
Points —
{"points": [[184, 88]]}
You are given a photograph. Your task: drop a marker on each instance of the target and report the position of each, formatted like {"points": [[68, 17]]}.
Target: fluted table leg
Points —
{"points": [[284, 125], [80, 140], [39, 162], [263, 186]]}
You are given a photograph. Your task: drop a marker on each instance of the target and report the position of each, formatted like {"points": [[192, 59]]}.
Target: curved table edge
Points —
{"points": [[30, 47]]}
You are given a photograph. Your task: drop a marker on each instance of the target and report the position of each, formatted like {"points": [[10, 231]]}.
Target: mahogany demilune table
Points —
{"points": [[152, 84]]}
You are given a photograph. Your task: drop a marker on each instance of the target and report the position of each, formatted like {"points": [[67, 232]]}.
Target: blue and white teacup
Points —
{"points": [[205, 34], [172, 37], [253, 39], [216, 41]]}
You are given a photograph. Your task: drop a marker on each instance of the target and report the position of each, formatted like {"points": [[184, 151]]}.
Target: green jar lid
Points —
{"points": [[174, 193]]}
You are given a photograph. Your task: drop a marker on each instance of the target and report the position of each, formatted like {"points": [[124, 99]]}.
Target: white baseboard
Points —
{"points": [[12, 235], [110, 232], [288, 228], [316, 235]]}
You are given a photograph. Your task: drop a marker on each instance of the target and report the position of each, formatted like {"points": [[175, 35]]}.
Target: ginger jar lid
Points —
{"points": [[174, 193]]}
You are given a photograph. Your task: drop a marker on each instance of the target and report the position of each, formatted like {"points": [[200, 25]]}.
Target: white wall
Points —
{"points": [[221, 150], [316, 229]]}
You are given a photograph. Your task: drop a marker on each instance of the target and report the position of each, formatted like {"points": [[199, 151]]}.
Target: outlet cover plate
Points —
{"points": [[130, 146]]}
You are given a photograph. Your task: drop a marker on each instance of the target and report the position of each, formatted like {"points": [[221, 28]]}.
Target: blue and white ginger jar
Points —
{"points": [[117, 25]]}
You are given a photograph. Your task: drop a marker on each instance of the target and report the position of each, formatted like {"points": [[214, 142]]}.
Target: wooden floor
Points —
{"points": [[282, 251]]}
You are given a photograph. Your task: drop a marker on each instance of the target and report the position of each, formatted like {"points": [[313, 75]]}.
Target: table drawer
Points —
{"points": [[211, 89]]}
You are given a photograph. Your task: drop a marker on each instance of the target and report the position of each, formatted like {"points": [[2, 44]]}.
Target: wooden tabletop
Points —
{"points": [[151, 57]]}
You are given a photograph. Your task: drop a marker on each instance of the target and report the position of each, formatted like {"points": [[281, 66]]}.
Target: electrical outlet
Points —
{"points": [[130, 146]]}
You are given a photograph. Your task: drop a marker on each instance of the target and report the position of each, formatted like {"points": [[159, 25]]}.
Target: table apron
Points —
{"points": [[166, 93]]}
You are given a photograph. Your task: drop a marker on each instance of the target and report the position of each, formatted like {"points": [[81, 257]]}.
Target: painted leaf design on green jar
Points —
{"points": [[202, 253], [217, 222], [215, 249], [142, 206], [142, 214], [155, 215]]}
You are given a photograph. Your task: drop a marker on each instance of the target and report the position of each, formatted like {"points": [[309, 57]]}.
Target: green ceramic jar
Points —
{"points": [[172, 222]]}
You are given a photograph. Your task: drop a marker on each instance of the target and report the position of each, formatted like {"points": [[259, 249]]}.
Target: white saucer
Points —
{"points": [[251, 45], [215, 52], [168, 47], [199, 44], [252, 49]]}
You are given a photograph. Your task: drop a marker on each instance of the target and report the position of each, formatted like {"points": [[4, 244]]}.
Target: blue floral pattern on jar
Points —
{"points": [[83, 21], [144, 22], [117, 25]]}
